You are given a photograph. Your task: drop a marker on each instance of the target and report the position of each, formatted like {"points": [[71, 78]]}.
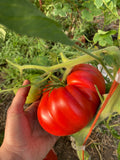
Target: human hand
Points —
{"points": [[24, 137]]}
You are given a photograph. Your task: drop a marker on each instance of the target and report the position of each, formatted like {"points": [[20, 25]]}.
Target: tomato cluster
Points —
{"points": [[66, 110]]}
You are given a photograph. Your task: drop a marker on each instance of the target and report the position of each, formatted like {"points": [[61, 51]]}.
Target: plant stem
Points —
{"points": [[96, 58], [12, 89], [40, 2], [66, 73], [119, 34], [47, 69], [63, 57], [27, 66], [116, 15], [69, 63]]}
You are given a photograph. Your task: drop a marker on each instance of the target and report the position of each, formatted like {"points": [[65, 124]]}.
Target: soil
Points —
{"points": [[103, 143]]}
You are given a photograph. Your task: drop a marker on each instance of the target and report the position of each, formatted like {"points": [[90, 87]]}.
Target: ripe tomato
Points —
{"points": [[87, 76], [66, 110]]}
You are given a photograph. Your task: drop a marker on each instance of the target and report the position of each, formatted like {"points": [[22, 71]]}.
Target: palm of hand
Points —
{"points": [[26, 137]]}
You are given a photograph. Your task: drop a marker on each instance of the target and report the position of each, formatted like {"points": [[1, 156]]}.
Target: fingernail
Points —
{"points": [[25, 82]]}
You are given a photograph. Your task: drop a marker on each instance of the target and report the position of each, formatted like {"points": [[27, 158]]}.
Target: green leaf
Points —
{"points": [[111, 32], [2, 34], [102, 32], [112, 58], [111, 5], [104, 37], [112, 18], [40, 60], [22, 17], [67, 8], [98, 3], [107, 1], [61, 9], [111, 12], [90, 10], [57, 9], [87, 15], [118, 151], [109, 59]]}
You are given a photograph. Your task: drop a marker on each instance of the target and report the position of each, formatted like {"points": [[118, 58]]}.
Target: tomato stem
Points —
{"points": [[68, 69], [101, 98], [66, 64], [12, 89], [69, 63], [63, 57], [66, 73], [96, 58]]}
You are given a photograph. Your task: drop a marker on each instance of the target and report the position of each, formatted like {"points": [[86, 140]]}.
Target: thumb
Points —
{"points": [[19, 99]]}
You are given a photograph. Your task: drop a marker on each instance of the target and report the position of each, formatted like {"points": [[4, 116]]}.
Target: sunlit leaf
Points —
{"points": [[23, 18], [2, 33], [98, 3]]}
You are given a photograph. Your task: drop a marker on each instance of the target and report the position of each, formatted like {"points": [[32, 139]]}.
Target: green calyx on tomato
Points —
{"points": [[66, 110]]}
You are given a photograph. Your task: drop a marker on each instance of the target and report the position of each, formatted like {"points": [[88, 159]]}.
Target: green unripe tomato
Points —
{"points": [[33, 95]]}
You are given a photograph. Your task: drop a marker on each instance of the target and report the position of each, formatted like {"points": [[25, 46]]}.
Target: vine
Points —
{"points": [[67, 63]]}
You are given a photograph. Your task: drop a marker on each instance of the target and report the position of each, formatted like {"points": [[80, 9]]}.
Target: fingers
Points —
{"points": [[19, 99]]}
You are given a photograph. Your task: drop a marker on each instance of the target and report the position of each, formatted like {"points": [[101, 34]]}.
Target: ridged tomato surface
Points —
{"points": [[66, 110]]}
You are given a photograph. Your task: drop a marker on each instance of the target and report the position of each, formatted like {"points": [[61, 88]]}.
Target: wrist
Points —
{"points": [[7, 155]]}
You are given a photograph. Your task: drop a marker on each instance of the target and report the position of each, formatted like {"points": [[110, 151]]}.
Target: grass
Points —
{"points": [[28, 50]]}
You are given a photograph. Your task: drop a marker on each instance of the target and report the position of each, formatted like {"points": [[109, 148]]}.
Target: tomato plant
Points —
{"points": [[66, 110]]}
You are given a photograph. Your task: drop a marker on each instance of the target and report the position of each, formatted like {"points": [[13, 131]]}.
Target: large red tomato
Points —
{"points": [[87, 76], [66, 110]]}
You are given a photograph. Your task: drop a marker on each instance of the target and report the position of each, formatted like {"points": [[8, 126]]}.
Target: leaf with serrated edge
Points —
{"points": [[98, 3]]}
